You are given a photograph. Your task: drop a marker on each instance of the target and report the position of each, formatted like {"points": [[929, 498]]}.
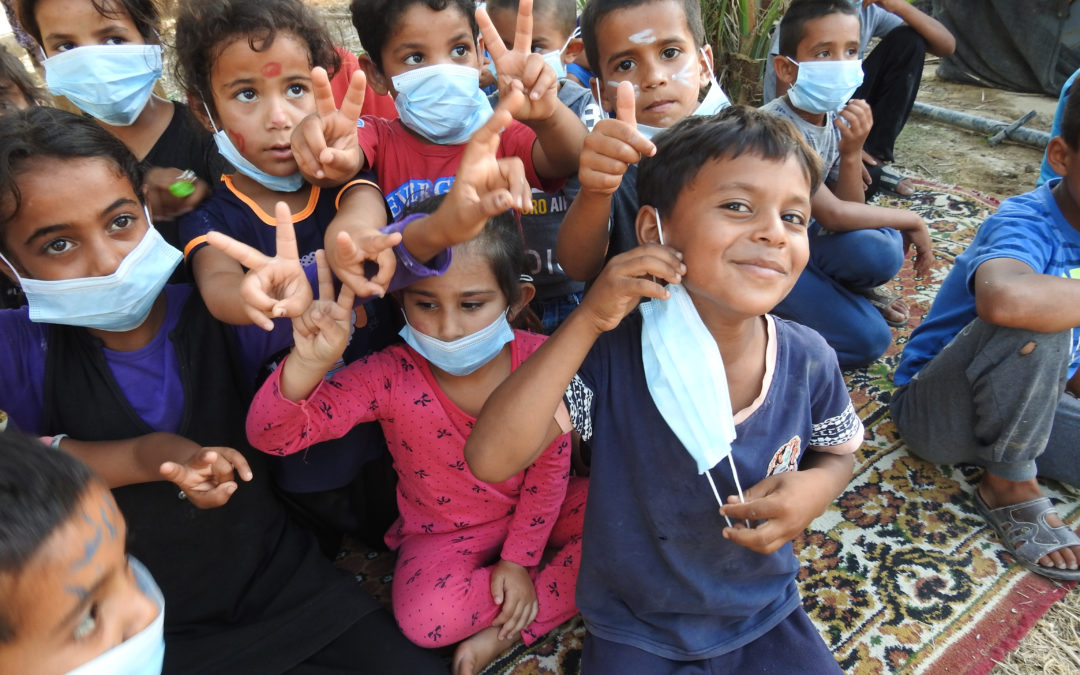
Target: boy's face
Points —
{"points": [[741, 226], [77, 597], [260, 96], [425, 37], [67, 24], [833, 37], [547, 36], [78, 218], [651, 46], [1066, 162]]}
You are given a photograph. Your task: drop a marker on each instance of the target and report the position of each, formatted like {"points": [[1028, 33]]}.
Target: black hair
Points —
{"points": [[39, 490], [682, 149], [13, 74], [376, 20], [500, 242], [204, 28], [596, 10], [29, 136], [1070, 118], [564, 12], [145, 14], [793, 24]]}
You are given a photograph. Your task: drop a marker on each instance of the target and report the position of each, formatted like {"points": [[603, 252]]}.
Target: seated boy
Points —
{"points": [[664, 586], [893, 69], [554, 24], [425, 53], [989, 377], [658, 48], [71, 598], [854, 248]]}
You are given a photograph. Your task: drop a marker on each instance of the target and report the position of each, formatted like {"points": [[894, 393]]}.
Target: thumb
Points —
{"points": [[173, 472], [497, 590]]}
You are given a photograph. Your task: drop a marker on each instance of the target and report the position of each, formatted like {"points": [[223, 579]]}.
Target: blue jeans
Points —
{"points": [[554, 311]]}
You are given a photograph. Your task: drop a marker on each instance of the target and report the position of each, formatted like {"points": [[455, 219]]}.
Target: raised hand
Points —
{"points": [[208, 477], [324, 143], [613, 145], [854, 122], [273, 287], [538, 79], [347, 255], [321, 333], [626, 279]]}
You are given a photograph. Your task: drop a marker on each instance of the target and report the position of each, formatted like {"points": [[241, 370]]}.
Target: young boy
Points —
{"points": [[663, 582], [424, 53], [854, 248], [989, 377], [554, 24], [658, 48], [893, 69], [72, 602]]}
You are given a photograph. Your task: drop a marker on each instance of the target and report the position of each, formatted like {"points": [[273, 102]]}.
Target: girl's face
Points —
{"points": [[77, 597], [67, 24], [464, 300], [78, 218], [260, 96]]}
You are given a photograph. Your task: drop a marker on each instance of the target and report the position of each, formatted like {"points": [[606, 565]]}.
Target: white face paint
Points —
{"points": [[644, 37]]}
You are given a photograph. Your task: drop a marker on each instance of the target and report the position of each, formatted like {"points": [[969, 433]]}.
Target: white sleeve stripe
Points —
{"points": [[837, 430], [579, 400]]}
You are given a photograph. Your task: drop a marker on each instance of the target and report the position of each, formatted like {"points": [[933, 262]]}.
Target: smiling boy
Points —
{"points": [[664, 586]]}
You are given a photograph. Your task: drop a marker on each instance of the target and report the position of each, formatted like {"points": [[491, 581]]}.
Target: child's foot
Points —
{"points": [[1029, 526], [477, 652], [894, 309]]}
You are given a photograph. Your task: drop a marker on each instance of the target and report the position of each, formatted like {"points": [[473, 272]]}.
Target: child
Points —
{"points": [[658, 48], [17, 90], [110, 356], [554, 24], [893, 71], [469, 553], [664, 587], [112, 78], [854, 248], [424, 52], [989, 377], [71, 598]]}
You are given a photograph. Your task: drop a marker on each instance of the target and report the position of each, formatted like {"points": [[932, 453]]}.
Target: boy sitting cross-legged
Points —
{"points": [[663, 393], [989, 378]]}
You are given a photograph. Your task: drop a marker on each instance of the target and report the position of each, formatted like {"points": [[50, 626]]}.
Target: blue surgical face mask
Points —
{"points": [[464, 355], [686, 379], [142, 653], [113, 83], [555, 58], [824, 86], [116, 302], [443, 103], [290, 183]]}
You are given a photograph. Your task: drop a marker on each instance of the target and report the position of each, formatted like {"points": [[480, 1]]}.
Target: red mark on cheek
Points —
{"points": [[272, 69], [237, 140]]}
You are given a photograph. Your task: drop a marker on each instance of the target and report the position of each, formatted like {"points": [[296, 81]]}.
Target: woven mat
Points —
{"points": [[901, 574]]}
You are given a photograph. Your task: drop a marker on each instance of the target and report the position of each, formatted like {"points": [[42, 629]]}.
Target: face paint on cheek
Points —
{"points": [[272, 69], [644, 37], [238, 141]]}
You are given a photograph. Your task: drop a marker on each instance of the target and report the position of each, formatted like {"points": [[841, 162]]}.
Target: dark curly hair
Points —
{"points": [[596, 10], [145, 14], [204, 28], [376, 20]]}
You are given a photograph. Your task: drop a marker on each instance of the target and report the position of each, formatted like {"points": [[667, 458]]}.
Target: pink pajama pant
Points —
{"points": [[442, 582]]}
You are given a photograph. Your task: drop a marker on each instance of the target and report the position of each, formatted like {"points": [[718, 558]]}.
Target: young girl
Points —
{"points": [[104, 56], [469, 552], [124, 372]]}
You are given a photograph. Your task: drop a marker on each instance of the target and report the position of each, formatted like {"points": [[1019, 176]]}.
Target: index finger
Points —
{"points": [[238, 461], [495, 46], [285, 236], [248, 256], [324, 94], [755, 509], [524, 29], [353, 104], [486, 139], [326, 283], [346, 298]]}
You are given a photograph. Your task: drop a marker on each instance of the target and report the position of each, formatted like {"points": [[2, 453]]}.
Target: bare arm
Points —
{"points": [[854, 122], [559, 140], [584, 236], [1009, 293], [219, 279], [939, 41]]}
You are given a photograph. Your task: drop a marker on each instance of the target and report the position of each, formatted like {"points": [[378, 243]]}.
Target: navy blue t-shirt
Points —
{"points": [[656, 572]]}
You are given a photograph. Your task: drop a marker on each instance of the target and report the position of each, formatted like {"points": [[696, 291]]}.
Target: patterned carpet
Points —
{"points": [[901, 574]]}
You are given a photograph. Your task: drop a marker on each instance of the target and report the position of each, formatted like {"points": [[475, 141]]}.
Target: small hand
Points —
{"points": [[627, 278], [163, 204], [539, 80], [918, 237], [612, 146], [207, 478], [347, 255], [273, 287], [324, 143], [321, 333], [854, 122], [780, 507], [512, 589]]}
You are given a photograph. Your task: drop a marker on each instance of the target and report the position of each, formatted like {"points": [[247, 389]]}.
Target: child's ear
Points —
{"points": [[528, 292], [786, 71], [648, 232], [705, 68], [1059, 156], [198, 109], [574, 49], [375, 78]]}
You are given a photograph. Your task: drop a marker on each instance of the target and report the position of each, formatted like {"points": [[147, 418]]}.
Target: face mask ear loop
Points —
{"points": [[209, 116], [11, 267], [659, 227], [735, 475]]}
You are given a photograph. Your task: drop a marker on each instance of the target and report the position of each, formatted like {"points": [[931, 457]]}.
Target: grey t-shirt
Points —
{"points": [[824, 140], [873, 22]]}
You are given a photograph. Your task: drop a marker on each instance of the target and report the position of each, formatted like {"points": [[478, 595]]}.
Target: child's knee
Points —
{"points": [[864, 345]]}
